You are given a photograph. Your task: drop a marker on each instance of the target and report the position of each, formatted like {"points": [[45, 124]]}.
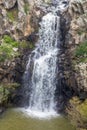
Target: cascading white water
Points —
{"points": [[44, 71], [43, 80]]}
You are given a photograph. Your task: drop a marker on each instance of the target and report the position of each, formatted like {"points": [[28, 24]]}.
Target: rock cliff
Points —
{"points": [[75, 38], [18, 28], [76, 60]]}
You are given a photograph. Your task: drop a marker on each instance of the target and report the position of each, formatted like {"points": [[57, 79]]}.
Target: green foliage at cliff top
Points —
{"points": [[77, 112]]}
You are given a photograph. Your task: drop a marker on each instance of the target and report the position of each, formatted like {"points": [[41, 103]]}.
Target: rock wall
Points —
{"points": [[75, 35], [18, 24], [75, 62]]}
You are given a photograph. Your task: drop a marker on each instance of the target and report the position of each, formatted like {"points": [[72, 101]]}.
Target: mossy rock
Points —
{"points": [[12, 14]]}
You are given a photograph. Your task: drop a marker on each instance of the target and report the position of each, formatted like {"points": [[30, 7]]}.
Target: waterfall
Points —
{"points": [[41, 70], [44, 70]]}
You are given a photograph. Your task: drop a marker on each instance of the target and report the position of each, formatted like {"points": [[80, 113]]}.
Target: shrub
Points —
{"points": [[77, 113], [6, 48], [9, 47], [80, 53], [81, 50], [5, 90]]}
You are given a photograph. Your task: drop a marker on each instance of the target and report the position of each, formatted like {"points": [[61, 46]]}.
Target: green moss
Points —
{"points": [[26, 44], [12, 14], [77, 112], [26, 7]]}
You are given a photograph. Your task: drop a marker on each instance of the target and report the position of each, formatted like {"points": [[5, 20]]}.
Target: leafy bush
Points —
{"points": [[81, 50], [80, 53], [9, 46], [6, 48], [77, 112], [5, 90], [3, 94]]}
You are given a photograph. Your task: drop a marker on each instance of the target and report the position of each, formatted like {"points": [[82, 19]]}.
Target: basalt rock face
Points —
{"points": [[75, 61], [75, 31]]}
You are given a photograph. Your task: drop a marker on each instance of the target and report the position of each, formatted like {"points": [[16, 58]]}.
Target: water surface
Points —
{"points": [[14, 120]]}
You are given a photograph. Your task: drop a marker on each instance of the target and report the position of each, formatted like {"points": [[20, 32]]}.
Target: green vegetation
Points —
{"points": [[77, 112], [5, 90], [9, 47], [12, 14], [80, 53], [26, 7], [26, 44], [80, 31], [81, 50]]}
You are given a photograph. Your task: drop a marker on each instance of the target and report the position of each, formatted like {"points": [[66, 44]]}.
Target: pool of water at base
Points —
{"points": [[16, 120]]}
